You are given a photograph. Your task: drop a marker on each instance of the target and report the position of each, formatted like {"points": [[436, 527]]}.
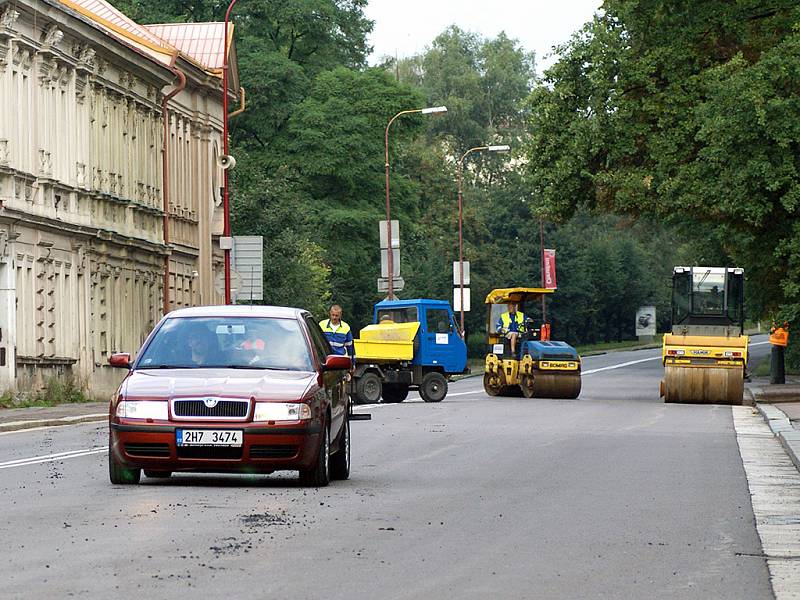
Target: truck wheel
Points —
{"points": [[434, 387], [395, 392], [368, 388]]}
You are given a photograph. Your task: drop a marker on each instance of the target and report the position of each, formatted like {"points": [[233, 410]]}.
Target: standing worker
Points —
{"points": [[338, 333], [512, 325]]}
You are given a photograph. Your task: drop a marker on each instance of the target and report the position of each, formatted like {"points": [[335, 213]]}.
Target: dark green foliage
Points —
{"points": [[688, 112]]}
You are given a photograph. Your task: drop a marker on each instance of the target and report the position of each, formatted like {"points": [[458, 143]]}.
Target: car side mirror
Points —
{"points": [[337, 362], [121, 360]]}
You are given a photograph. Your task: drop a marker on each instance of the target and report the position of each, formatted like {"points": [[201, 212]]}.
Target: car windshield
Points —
{"points": [[225, 342]]}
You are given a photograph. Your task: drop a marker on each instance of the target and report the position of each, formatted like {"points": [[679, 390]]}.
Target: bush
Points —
{"points": [[57, 390]]}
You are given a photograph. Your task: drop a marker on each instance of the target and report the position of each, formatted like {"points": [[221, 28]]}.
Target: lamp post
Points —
{"points": [[226, 206], [425, 111], [503, 148]]}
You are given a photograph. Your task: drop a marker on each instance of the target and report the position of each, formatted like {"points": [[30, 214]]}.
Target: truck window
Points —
{"points": [[437, 320], [398, 315]]}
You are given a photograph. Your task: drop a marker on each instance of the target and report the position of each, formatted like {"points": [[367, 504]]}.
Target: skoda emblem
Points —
{"points": [[210, 402]]}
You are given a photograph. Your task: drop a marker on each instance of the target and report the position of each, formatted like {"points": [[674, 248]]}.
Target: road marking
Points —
{"points": [[775, 496], [35, 460], [620, 365], [641, 360]]}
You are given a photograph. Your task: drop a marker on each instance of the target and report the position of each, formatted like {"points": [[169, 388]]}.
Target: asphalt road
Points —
{"points": [[613, 495]]}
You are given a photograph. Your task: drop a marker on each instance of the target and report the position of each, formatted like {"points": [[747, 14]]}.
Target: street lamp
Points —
{"points": [[433, 110], [503, 148], [226, 206]]}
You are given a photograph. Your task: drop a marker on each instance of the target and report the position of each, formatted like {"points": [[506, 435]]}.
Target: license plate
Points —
{"points": [[208, 437]]}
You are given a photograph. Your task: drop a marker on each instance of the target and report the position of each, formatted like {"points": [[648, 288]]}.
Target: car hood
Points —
{"points": [[167, 384]]}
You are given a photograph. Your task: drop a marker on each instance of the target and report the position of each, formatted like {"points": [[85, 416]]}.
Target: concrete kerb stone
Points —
{"points": [[34, 423], [782, 428]]}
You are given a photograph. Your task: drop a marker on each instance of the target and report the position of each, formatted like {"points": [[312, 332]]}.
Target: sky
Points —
{"points": [[405, 27]]}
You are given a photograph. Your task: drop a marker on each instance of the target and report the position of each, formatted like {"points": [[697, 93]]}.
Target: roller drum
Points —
{"points": [[556, 385], [703, 385]]}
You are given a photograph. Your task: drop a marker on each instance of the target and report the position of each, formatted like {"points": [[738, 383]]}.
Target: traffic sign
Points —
{"points": [[395, 233], [383, 284], [457, 273], [457, 299], [247, 258], [385, 262]]}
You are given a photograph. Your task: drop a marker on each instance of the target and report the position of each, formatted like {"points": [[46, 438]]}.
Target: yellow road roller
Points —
{"points": [[522, 360], [705, 355]]}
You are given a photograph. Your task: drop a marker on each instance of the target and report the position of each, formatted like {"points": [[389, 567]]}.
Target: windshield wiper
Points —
{"points": [[167, 367], [253, 367]]}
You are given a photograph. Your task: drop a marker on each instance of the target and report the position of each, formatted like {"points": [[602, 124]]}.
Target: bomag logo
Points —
{"points": [[701, 352], [558, 364]]}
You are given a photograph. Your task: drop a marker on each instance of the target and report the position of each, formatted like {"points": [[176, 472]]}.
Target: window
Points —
{"points": [[398, 315], [681, 292], [223, 342], [321, 345], [438, 320], [708, 291]]}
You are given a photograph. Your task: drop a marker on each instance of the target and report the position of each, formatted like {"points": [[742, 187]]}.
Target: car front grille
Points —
{"points": [[224, 409], [273, 451], [149, 450], [211, 452]]}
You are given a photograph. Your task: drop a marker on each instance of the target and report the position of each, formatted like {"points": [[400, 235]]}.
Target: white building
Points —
{"points": [[83, 252]]}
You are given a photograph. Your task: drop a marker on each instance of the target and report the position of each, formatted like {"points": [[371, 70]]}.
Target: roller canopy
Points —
{"points": [[517, 294]]}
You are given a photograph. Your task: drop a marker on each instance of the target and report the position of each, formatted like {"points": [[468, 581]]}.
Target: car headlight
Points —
{"points": [[281, 411], [142, 409]]}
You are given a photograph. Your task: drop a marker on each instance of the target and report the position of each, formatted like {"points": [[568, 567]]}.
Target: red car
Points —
{"points": [[251, 389]]}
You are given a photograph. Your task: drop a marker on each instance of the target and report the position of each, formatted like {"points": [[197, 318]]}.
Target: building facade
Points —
{"points": [[84, 242]]}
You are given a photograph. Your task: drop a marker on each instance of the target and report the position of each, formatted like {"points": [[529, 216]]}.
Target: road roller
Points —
{"points": [[705, 355], [522, 359]]}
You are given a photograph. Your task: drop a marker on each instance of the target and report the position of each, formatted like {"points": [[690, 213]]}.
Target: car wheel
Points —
{"points": [[319, 474], [340, 462], [157, 474], [394, 392], [368, 388], [119, 474], [434, 387]]}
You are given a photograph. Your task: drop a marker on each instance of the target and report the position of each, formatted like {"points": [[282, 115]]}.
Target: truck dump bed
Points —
{"points": [[386, 342]]}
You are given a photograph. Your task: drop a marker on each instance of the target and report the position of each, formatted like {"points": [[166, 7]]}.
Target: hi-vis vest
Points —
{"points": [[519, 319], [341, 340]]}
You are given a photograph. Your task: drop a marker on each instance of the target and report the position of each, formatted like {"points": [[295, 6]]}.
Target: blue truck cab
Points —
{"points": [[439, 352]]}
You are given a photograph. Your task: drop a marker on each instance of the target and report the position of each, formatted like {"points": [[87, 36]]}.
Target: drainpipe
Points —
{"points": [[242, 105], [165, 169]]}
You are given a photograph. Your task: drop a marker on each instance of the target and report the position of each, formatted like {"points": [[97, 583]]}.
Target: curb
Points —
{"points": [[782, 428], [20, 425]]}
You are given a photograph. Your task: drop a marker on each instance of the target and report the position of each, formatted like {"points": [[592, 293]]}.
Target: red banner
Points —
{"points": [[550, 269]]}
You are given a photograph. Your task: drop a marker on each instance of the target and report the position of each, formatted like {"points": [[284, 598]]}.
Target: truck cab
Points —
{"points": [[410, 345]]}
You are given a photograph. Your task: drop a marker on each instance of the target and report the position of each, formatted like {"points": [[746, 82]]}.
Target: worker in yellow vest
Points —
{"points": [[512, 325], [338, 333]]}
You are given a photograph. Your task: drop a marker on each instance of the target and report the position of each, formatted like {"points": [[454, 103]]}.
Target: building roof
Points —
{"points": [[202, 41], [119, 26]]}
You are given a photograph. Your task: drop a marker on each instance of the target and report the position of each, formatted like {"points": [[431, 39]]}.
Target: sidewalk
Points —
{"points": [[13, 419], [780, 407]]}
